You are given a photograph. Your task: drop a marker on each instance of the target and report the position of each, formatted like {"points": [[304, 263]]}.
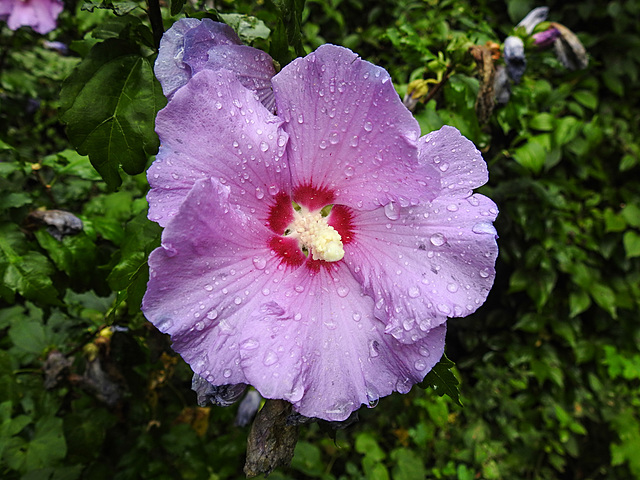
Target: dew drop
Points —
{"points": [[354, 141], [484, 228], [226, 373], [259, 262], [372, 396], [392, 211], [249, 344], [212, 314], [349, 171], [452, 287], [208, 287], [299, 288], [200, 326], [297, 317], [452, 208], [300, 118], [259, 193], [420, 364], [437, 239], [373, 349], [357, 316], [266, 291], [322, 145], [269, 358], [424, 351], [368, 126], [444, 167], [414, 292], [264, 146], [444, 308], [484, 273], [473, 200], [342, 291], [334, 138], [237, 300]]}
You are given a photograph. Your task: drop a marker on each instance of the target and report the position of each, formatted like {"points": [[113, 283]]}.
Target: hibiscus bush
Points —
{"points": [[543, 378]]}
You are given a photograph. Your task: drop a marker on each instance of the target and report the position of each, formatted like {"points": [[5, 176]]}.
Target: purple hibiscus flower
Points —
{"points": [[192, 45], [316, 254], [40, 15]]}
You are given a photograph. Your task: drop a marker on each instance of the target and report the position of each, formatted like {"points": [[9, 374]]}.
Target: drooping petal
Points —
{"points": [[170, 68], [214, 127], [192, 45], [424, 263], [253, 67], [238, 315], [349, 131]]}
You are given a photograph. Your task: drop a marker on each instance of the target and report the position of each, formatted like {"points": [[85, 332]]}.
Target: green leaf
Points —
{"points": [[631, 213], [543, 121], [176, 6], [109, 104], [119, 7], [531, 155], [408, 466], [291, 14], [631, 242], [248, 28], [26, 273], [442, 380], [586, 98]]}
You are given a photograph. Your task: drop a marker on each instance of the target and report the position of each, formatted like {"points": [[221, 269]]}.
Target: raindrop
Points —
{"points": [[250, 344], [424, 351], [484, 273], [264, 146], [259, 262], [420, 364], [373, 348], [473, 200], [208, 287], [484, 227], [342, 291], [452, 287], [354, 141], [437, 239], [200, 326], [414, 292], [349, 171], [300, 118], [270, 358], [403, 386], [297, 317], [392, 211], [259, 193], [444, 308], [266, 291], [226, 373], [323, 145], [273, 190], [453, 207], [237, 300], [334, 138], [357, 316], [444, 167], [368, 126], [213, 314], [299, 288], [372, 396]]}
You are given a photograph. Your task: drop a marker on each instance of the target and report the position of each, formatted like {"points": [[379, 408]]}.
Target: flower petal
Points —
{"points": [[214, 127], [237, 315], [349, 131], [205, 280], [192, 38], [425, 263]]}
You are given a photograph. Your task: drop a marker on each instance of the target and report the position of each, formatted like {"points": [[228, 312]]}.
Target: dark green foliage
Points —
{"points": [[548, 368]]}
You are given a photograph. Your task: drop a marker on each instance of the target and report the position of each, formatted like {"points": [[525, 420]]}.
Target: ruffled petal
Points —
{"points": [[425, 263], [214, 127], [253, 67], [192, 45], [40, 15], [192, 38], [206, 280], [459, 163], [349, 132]]}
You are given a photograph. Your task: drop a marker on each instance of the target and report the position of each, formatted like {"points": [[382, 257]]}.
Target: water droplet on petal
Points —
{"points": [[414, 292], [444, 308], [437, 239], [452, 208], [264, 146], [270, 358], [250, 344], [372, 396], [212, 314], [300, 118], [357, 316], [200, 326], [208, 287], [354, 141], [484, 273], [237, 300], [484, 227], [259, 193], [424, 351], [452, 287], [226, 373], [392, 211], [299, 288], [259, 262], [334, 138], [349, 171], [373, 348], [368, 126], [342, 291], [444, 167]]}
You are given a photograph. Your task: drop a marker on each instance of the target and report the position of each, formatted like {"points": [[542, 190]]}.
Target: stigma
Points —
{"points": [[316, 237]]}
